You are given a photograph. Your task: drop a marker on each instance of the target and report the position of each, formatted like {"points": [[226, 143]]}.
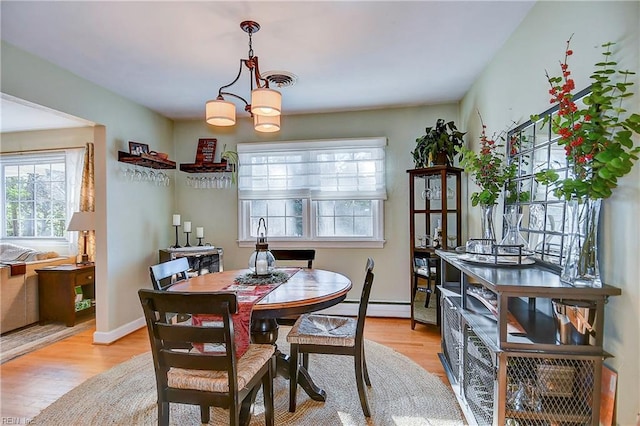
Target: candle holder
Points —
{"points": [[176, 245], [187, 245], [200, 241]]}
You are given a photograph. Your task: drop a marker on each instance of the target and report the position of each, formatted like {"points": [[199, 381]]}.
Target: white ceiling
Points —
{"points": [[348, 55]]}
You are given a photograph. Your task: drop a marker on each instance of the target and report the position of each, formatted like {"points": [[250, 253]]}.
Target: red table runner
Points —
{"points": [[248, 295]]}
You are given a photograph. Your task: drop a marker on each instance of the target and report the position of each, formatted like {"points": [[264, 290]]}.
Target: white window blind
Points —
{"points": [[320, 170]]}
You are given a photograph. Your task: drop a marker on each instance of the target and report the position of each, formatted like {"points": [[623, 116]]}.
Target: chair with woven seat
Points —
{"points": [[165, 274], [305, 255], [210, 375], [324, 334], [425, 268]]}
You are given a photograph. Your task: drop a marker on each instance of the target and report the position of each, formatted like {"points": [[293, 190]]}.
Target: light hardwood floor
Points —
{"points": [[32, 382]]}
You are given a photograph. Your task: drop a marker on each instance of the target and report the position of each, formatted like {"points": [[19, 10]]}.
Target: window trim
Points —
{"points": [[310, 199]]}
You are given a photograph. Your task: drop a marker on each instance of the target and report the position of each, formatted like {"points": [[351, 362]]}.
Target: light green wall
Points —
{"points": [[131, 218], [514, 85], [216, 210], [135, 218], [39, 139]]}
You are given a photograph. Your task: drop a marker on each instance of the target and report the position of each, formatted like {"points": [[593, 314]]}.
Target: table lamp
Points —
{"points": [[82, 221]]}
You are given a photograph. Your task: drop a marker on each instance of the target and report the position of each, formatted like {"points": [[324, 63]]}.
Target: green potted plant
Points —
{"points": [[231, 157], [437, 145]]}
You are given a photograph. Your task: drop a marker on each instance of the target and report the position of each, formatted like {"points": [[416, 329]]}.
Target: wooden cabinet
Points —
{"points": [[202, 259], [57, 292], [435, 201], [509, 364]]}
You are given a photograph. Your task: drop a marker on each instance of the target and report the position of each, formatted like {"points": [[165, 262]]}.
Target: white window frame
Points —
{"points": [[73, 159], [310, 198]]}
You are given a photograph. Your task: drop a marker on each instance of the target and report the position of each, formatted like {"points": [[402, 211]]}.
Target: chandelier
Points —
{"points": [[265, 106]]}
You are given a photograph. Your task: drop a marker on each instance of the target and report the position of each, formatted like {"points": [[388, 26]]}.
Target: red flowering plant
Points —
{"points": [[597, 136], [488, 169]]}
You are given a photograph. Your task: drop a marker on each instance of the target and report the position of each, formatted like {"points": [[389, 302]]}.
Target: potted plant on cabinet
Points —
{"points": [[438, 145]]}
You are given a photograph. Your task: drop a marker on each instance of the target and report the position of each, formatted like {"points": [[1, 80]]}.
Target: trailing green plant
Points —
{"points": [[439, 141], [232, 160], [597, 137]]}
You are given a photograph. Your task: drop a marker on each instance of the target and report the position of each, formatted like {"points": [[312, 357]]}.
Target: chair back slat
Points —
{"points": [[192, 334], [188, 302], [165, 274], [364, 298], [307, 255], [195, 361]]}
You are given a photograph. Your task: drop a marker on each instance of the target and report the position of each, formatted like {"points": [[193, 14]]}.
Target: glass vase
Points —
{"points": [[513, 237], [581, 268], [487, 213]]}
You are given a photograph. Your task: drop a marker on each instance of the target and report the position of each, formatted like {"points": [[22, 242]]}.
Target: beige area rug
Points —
{"points": [[402, 394], [20, 342], [428, 315]]}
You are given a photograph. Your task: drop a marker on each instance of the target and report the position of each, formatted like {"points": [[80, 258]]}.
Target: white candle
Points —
{"points": [[261, 266], [186, 227], [199, 232], [176, 220]]}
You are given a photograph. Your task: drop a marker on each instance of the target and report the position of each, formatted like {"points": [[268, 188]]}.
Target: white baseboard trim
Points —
{"points": [[391, 310], [106, 338]]}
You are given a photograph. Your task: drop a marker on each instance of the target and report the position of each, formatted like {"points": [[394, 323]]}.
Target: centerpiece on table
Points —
{"points": [[490, 171], [597, 140]]}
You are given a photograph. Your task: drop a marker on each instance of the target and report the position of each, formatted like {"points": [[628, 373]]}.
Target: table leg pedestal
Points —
{"points": [[266, 331]]}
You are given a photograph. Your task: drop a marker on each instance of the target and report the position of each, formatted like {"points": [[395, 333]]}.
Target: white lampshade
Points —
{"points": [[266, 102], [81, 221], [220, 113], [265, 123]]}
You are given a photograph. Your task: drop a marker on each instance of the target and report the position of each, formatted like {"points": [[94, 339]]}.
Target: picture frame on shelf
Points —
{"points": [[206, 151], [137, 148]]}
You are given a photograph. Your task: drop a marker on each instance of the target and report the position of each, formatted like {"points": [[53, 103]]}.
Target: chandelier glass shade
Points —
{"points": [[266, 103], [266, 123]]}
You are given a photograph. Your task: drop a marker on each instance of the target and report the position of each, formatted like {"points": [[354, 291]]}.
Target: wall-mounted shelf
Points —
{"points": [[206, 167], [146, 160]]}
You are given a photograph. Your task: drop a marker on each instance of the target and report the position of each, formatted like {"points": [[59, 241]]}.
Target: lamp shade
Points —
{"points": [[81, 221], [265, 123], [266, 102], [220, 113]]}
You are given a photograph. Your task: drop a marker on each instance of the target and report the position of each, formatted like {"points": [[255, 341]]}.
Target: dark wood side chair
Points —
{"points": [[208, 379], [323, 334], [304, 255], [425, 268], [165, 274], [307, 255]]}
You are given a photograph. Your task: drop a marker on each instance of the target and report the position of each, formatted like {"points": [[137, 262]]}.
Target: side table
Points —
{"points": [[57, 292]]}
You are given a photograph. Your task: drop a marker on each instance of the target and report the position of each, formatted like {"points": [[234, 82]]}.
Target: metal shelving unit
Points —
{"points": [[524, 378]]}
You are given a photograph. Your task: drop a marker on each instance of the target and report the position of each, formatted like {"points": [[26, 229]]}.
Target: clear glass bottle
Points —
{"points": [[513, 237]]}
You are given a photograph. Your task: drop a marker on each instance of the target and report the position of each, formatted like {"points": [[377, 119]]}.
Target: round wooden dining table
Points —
{"points": [[307, 290]]}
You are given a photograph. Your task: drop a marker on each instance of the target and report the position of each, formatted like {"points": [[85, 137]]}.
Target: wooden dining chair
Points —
{"points": [[165, 274], [212, 377], [323, 334], [307, 255], [425, 269]]}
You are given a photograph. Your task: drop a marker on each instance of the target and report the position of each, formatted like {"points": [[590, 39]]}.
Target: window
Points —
{"points": [[329, 192], [35, 195], [545, 222]]}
